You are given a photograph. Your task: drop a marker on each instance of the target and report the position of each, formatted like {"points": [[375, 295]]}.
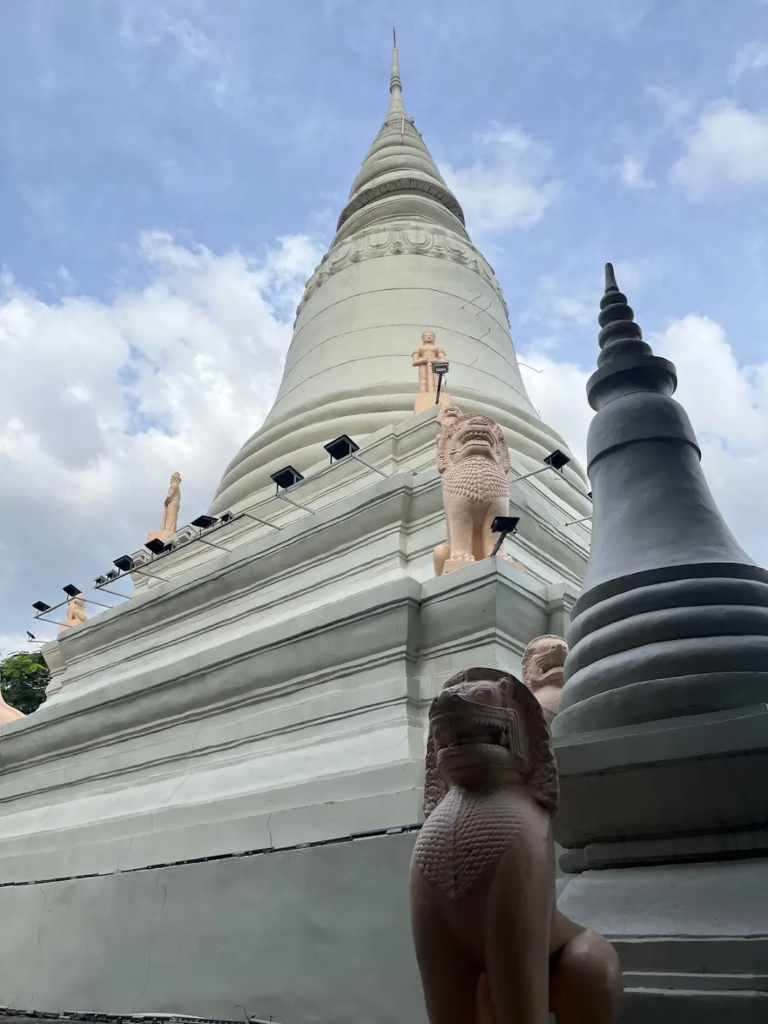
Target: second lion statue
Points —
{"points": [[473, 461], [491, 946]]}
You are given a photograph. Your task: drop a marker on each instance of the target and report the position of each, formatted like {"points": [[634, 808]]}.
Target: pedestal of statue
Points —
{"points": [[426, 399]]}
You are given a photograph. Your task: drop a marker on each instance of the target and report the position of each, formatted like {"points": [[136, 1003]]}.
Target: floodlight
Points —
{"points": [[341, 448], [557, 459], [31, 635], [440, 370], [205, 522], [112, 575], [226, 517], [505, 524], [286, 477], [41, 606], [124, 563], [100, 581], [157, 546], [71, 590]]}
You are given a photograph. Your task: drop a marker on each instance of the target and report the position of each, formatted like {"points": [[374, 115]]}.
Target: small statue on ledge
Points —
{"points": [[75, 613], [543, 664], [9, 714], [490, 944], [473, 461], [171, 510], [424, 357]]}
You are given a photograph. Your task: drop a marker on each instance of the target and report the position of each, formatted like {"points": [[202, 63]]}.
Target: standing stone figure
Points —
{"points": [[172, 503], [75, 613], [171, 511], [424, 356]]}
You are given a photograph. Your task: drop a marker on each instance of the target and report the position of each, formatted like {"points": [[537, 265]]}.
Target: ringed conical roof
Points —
{"points": [[398, 160], [401, 262]]}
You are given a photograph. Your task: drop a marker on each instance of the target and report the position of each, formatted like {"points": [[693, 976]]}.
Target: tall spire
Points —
{"points": [[624, 356], [395, 85], [673, 616], [399, 161]]}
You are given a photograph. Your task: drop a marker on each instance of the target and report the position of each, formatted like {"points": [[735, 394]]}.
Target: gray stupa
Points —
{"points": [[662, 737]]}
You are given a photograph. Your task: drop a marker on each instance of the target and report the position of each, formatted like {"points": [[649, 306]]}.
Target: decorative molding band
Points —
{"points": [[410, 184], [405, 237]]}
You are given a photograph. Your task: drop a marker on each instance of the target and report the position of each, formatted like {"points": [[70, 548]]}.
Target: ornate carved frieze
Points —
{"points": [[408, 237]]}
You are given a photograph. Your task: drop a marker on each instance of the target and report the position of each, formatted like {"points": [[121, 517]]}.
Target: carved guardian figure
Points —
{"points": [[543, 672], [473, 461], [491, 946]]}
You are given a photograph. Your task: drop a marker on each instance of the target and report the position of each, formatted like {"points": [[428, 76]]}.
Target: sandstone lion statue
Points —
{"points": [[473, 461], [490, 944], [543, 664]]}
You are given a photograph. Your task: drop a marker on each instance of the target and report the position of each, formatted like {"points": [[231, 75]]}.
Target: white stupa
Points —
{"points": [[402, 261], [175, 822]]}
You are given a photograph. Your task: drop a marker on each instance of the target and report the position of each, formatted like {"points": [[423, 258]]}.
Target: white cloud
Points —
{"points": [[752, 57], [101, 401], [727, 404], [558, 392], [631, 170], [508, 186], [674, 105], [727, 148]]}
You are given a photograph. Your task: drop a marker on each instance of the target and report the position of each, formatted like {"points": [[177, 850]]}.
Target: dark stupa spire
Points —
{"points": [[673, 616]]}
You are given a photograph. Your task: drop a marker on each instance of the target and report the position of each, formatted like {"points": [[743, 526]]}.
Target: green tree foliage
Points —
{"points": [[23, 679]]}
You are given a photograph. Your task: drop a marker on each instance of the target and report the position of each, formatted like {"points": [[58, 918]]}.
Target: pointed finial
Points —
{"points": [[622, 349], [610, 278], [619, 331], [395, 85]]}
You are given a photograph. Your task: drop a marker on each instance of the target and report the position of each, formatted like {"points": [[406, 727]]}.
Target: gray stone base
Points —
{"points": [[322, 934], [305, 935], [693, 938]]}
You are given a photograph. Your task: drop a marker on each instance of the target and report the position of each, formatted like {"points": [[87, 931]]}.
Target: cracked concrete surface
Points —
{"points": [[299, 935]]}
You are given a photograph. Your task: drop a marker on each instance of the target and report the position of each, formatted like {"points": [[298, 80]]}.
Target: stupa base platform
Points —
{"points": [[666, 821], [693, 938]]}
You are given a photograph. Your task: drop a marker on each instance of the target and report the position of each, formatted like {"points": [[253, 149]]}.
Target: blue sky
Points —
{"points": [[170, 172]]}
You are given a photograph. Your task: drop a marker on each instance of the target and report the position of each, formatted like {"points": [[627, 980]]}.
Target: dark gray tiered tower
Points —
{"points": [[662, 738]]}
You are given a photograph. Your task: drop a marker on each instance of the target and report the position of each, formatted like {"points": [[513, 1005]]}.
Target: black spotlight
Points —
{"points": [[156, 546], [341, 448], [124, 563], [31, 636], [112, 575], [100, 581], [505, 524], [286, 477], [226, 517], [71, 590], [205, 522], [41, 606], [557, 459], [439, 369]]}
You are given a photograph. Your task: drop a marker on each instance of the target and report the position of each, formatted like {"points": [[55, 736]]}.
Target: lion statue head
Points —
{"points": [[468, 435], [543, 666], [484, 716]]}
